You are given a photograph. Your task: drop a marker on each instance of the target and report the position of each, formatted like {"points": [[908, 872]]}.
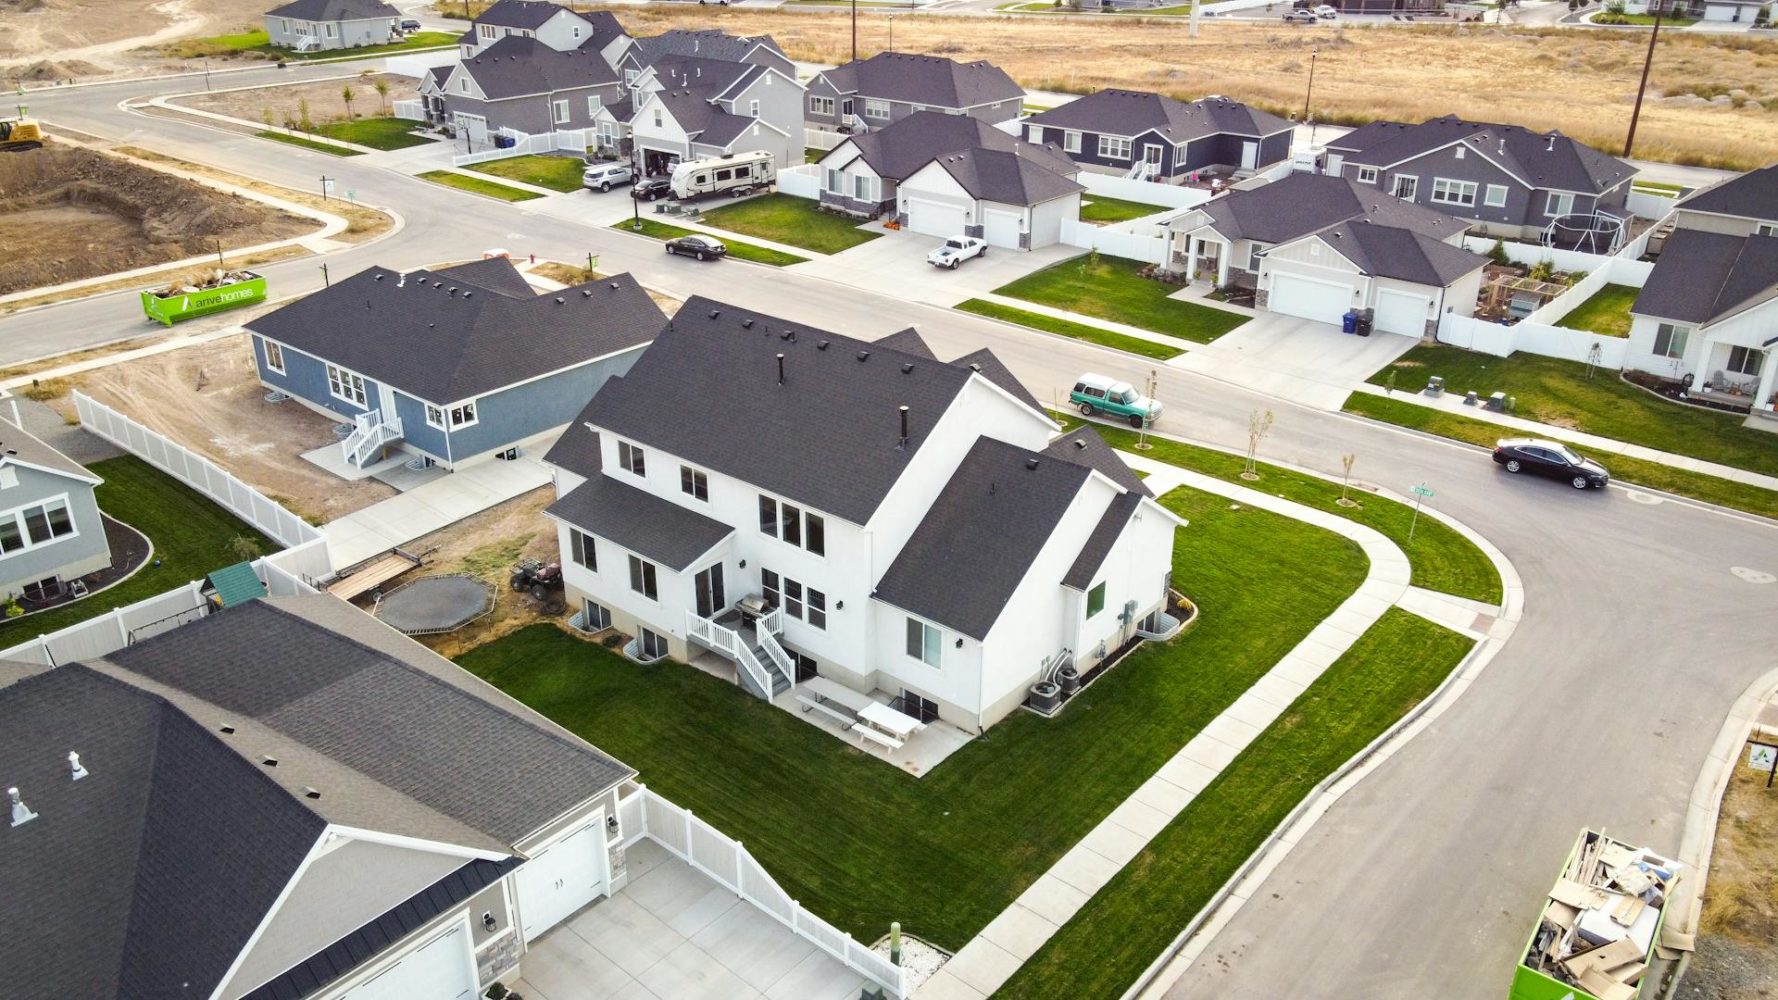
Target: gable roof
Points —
{"points": [[707, 392], [1098, 544], [1301, 203], [1084, 446], [1010, 177], [517, 66], [908, 341], [921, 79], [691, 88], [1752, 195], [706, 44], [1396, 252], [1539, 159], [1703, 277], [995, 371], [897, 150], [997, 512], [533, 14], [577, 451], [334, 10], [1130, 113], [20, 446], [650, 526], [450, 335]]}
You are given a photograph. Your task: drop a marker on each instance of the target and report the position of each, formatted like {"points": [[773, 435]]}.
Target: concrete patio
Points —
{"points": [[673, 934]]}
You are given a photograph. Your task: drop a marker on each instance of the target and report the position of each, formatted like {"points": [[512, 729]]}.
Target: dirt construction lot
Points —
{"points": [[68, 214], [325, 104], [59, 39], [1736, 959]]}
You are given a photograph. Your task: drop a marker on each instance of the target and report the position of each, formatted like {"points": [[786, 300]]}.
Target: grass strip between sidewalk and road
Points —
{"points": [[1069, 328], [475, 185], [307, 143], [1398, 662], [1641, 472], [1441, 558], [191, 535], [737, 249], [1111, 288]]}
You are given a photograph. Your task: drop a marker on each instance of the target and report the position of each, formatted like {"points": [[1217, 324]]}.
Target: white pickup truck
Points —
{"points": [[956, 250]]}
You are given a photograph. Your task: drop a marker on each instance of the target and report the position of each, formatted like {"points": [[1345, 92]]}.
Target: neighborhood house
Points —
{"points": [[312, 25], [887, 87], [50, 529], [1153, 137]]}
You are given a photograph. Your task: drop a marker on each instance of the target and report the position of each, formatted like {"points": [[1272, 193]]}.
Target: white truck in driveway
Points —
{"points": [[956, 250]]}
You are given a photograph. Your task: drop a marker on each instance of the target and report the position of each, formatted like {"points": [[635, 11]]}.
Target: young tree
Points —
{"points": [[303, 120], [347, 94], [265, 115], [382, 89], [1346, 482], [1258, 423]]}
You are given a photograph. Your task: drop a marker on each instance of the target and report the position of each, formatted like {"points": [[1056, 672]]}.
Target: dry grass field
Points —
{"points": [[1579, 81]]}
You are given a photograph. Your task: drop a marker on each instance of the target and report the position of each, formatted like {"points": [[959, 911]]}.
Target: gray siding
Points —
{"points": [[82, 553], [1524, 208], [1197, 154], [288, 31], [517, 413], [416, 433], [1004, 111], [305, 377], [534, 114]]}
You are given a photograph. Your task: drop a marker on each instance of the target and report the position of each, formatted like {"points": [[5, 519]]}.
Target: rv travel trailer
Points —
{"points": [[735, 175]]}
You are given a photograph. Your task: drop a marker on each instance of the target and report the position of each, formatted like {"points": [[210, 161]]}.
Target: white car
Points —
{"points": [[1327, 12], [956, 250], [602, 176]]}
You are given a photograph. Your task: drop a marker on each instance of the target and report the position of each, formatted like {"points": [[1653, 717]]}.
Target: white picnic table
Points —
{"points": [[837, 693], [890, 721]]}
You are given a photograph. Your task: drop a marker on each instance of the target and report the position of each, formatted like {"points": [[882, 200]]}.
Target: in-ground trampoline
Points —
{"points": [[435, 604]]}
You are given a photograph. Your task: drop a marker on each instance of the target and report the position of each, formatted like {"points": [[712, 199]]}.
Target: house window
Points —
{"points": [[1113, 147], [653, 644], [753, 109], [581, 550], [1745, 360], [630, 457], [576, 30], [657, 118], [793, 598], [1254, 250], [38, 524], [434, 416], [1496, 196], [9, 477], [923, 642], [861, 187], [561, 116], [642, 578], [630, 77], [876, 109], [1558, 203], [1405, 186], [1766, 229], [1450, 192], [1459, 152], [768, 516], [790, 523], [1367, 175], [346, 386], [1070, 141], [820, 105], [487, 31], [835, 181], [815, 534], [598, 616], [769, 588], [463, 85], [817, 609], [274, 357], [593, 103], [463, 416], [1670, 340], [1095, 600], [693, 483], [1034, 133], [329, 28]]}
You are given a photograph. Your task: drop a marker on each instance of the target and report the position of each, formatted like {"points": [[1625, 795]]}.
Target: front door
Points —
{"points": [[709, 589], [1249, 155], [1406, 186], [846, 110], [1152, 154]]}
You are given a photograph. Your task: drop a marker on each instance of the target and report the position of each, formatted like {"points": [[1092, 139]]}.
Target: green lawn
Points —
{"points": [[191, 537], [783, 218], [307, 143], [1397, 663], [1068, 328], [812, 155], [1111, 289], [217, 45], [1606, 311], [862, 843], [1654, 475], [1645, 20], [1442, 559], [377, 133], [736, 249], [1655, 187], [475, 185], [1098, 208], [558, 173], [1558, 392], [1177, 11], [417, 40]]}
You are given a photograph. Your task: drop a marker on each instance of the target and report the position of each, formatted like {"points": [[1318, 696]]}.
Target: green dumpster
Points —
{"points": [[168, 306]]}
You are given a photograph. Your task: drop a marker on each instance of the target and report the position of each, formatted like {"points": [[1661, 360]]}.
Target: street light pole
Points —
{"points": [[1641, 88], [854, 30], [1310, 95], [892, 32]]}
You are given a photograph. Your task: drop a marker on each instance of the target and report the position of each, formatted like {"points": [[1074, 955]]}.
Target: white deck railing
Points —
{"points": [[371, 430], [728, 642]]}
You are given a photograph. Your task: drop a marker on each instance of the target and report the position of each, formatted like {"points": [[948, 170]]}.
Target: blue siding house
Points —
{"points": [[455, 364], [1154, 137], [50, 528]]}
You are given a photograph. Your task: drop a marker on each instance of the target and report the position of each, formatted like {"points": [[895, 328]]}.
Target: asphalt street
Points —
{"points": [[1425, 880]]}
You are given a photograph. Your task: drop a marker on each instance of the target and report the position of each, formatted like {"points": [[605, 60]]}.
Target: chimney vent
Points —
{"points": [[975, 366], [226, 729], [903, 443], [1030, 463], [614, 286], [1080, 445], [907, 367], [715, 313], [21, 813], [453, 291], [822, 346], [269, 761], [780, 369], [586, 293], [379, 277], [1551, 148], [310, 793], [560, 300], [76, 772], [863, 355], [747, 324]]}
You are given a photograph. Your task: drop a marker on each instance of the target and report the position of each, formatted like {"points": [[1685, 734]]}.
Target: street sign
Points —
{"points": [[1422, 491], [1761, 756]]}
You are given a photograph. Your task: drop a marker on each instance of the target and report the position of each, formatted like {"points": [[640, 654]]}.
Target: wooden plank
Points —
{"points": [[372, 576]]}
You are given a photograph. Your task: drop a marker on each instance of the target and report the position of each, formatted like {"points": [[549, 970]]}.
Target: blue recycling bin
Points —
{"points": [[1349, 322]]}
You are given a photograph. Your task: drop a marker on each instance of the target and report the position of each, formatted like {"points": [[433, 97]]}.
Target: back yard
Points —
{"points": [[1110, 288], [1606, 311]]}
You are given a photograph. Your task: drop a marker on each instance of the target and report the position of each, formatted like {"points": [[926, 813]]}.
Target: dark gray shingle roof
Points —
{"points": [[1753, 195], [921, 79], [1301, 203], [979, 538], [577, 450], [411, 332], [1026, 176], [707, 392], [1130, 113], [1541, 159], [527, 14], [897, 150], [908, 341], [517, 66], [995, 371], [1394, 252], [1098, 544], [335, 10], [1084, 446], [706, 44], [650, 526], [1702, 277], [20, 445]]}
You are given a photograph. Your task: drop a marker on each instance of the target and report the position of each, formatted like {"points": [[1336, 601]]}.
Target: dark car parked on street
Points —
{"points": [[1553, 459], [651, 189], [701, 247]]}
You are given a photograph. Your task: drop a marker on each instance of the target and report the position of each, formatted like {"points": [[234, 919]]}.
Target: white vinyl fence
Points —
{"points": [[1616, 271], [197, 472], [1146, 192], [803, 181], [815, 138], [1532, 338], [1112, 243], [524, 144], [644, 813], [413, 111], [1650, 203]]}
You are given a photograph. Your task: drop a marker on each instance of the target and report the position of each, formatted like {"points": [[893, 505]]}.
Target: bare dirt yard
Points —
{"points": [[68, 214], [208, 398], [323, 96], [1735, 958], [1716, 96], [46, 40]]}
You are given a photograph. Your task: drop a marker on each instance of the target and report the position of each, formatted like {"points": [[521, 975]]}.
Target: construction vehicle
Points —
{"points": [[20, 134]]}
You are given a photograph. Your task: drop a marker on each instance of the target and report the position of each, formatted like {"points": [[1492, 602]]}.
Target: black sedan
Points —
{"points": [[1553, 459], [651, 189], [701, 247]]}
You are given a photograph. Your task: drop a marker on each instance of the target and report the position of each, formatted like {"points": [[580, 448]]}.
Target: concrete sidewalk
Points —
{"points": [[420, 511]]}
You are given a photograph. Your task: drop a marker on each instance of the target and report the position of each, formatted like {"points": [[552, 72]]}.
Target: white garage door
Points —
{"points": [[935, 219], [1401, 312], [1001, 229], [440, 969], [1311, 299], [562, 878]]}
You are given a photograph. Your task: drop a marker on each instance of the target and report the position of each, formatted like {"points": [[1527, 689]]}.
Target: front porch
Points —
{"points": [[1733, 377], [1202, 258]]}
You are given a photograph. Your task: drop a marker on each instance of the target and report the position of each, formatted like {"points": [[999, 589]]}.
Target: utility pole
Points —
{"points": [[1310, 94], [854, 30], [1642, 88], [325, 282], [892, 32]]}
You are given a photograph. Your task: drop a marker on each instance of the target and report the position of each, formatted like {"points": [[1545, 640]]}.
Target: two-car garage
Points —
{"points": [[1311, 298]]}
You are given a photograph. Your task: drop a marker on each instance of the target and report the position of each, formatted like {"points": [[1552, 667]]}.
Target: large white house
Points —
{"points": [[912, 524]]}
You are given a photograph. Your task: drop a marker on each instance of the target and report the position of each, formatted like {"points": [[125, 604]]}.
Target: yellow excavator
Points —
{"points": [[20, 134]]}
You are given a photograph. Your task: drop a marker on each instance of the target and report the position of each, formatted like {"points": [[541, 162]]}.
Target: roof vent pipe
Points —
{"points": [[903, 443], [1030, 463], [75, 770], [1551, 148], [21, 813], [559, 300], [780, 369]]}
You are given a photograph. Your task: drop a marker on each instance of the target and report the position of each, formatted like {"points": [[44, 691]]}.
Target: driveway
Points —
{"points": [[895, 264], [1301, 360], [673, 934]]}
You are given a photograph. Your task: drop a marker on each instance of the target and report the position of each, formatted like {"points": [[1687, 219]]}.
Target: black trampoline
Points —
{"points": [[435, 604]]}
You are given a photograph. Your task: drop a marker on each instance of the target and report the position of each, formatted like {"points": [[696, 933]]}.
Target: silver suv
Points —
{"points": [[604, 176]]}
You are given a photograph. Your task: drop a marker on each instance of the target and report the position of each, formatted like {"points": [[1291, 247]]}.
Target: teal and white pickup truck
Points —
{"points": [[1102, 394]]}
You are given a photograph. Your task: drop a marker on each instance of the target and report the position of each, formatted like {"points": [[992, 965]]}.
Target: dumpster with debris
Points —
{"points": [[213, 291], [1597, 933]]}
